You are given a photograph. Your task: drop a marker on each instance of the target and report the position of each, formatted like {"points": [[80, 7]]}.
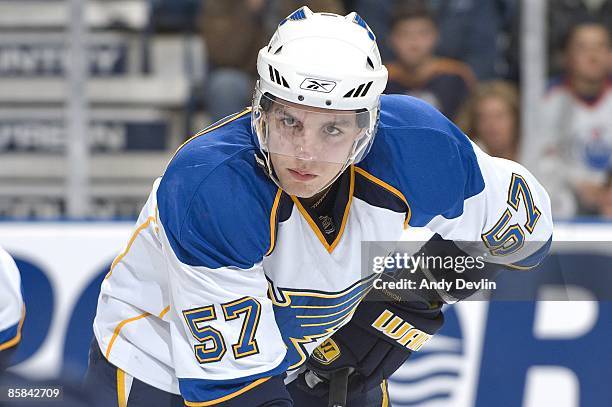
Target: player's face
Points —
{"points": [[309, 146], [588, 53]]}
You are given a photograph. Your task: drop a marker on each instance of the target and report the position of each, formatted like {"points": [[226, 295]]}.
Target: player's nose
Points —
{"points": [[306, 144]]}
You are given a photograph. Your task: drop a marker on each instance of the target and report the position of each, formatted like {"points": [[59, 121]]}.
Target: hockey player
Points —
{"points": [[12, 308], [246, 256]]}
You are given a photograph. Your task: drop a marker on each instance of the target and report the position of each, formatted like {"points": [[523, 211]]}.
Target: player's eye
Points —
{"points": [[332, 130], [289, 121]]}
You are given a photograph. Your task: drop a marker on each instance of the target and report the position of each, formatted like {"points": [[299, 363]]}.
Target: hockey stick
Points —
{"points": [[338, 387]]}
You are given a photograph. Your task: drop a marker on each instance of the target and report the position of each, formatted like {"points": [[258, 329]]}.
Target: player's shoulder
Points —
{"points": [[413, 127], [213, 190], [222, 141], [425, 156], [216, 159]]}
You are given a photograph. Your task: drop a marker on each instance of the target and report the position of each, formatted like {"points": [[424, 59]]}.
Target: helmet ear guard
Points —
{"points": [[266, 102], [363, 121]]}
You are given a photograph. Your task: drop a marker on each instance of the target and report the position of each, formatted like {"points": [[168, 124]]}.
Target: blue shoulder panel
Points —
{"points": [[214, 202], [424, 155]]}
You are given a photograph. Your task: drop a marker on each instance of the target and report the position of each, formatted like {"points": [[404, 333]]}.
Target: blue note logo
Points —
{"points": [[307, 316]]}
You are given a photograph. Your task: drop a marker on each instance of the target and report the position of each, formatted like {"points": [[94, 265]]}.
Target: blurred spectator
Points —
{"points": [[475, 32], [491, 118], [479, 33], [233, 32], [444, 83], [562, 15], [573, 150]]}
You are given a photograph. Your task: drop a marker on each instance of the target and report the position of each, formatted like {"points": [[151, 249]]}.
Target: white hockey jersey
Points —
{"points": [[228, 281], [12, 308]]}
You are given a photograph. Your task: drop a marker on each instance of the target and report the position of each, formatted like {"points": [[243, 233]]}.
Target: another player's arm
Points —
{"points": [[226, 345], [12, 309], [9, 342]]}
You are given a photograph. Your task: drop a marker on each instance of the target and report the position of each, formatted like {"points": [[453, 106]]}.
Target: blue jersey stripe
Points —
{"points": [[535, 259], [200, 390]]}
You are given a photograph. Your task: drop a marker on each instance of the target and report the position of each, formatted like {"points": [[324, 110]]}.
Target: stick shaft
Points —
{"points": [[338, 388]]}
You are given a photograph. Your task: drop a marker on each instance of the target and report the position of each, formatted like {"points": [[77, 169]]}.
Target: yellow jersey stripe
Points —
{"points": [[346, 210], [330, 306], [334, 313], [209, 129], [391, 189], [273, 221], [129, 246], [164, 312], [348, 315], [118, 329], [313, 225]]}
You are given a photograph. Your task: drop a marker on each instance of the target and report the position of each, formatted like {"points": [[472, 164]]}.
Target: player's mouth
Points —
{"points": [[301, 175]]}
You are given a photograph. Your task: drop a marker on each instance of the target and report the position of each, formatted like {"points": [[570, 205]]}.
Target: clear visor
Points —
{"points": [[309, 133]]}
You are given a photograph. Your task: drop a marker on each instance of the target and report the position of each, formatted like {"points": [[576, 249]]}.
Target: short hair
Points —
{"points": [[412, 10], [580, 22]]}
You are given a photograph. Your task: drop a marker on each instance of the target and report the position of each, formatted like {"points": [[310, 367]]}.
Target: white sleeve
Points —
{"points": [[11, 302], [509, 219], [224, 335]]}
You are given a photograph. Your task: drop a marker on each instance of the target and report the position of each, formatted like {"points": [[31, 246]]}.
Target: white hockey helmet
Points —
{"points": [[323, 61]]}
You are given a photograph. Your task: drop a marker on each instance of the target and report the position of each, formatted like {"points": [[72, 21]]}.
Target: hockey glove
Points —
{"points": [[374, 344]]}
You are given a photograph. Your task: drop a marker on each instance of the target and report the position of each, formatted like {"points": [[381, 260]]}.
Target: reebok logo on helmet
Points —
{"points": [[318, 85]]}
